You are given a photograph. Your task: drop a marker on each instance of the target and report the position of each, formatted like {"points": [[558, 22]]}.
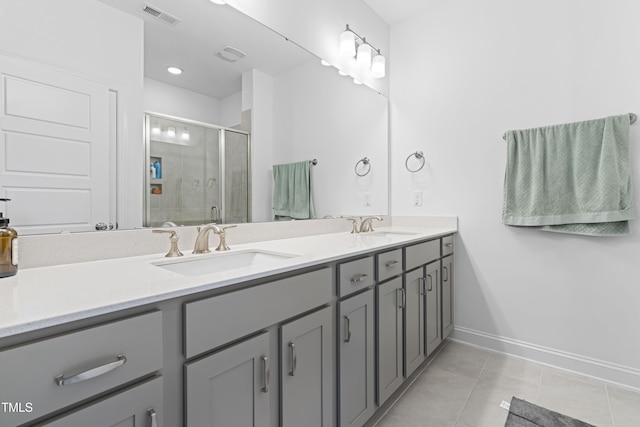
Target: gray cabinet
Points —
{"points": [[433, 316], [306, 371], [390, 337], [414, 315], [356, 359], [231, 387], [63, 370], [447, 296], [140, 406]]}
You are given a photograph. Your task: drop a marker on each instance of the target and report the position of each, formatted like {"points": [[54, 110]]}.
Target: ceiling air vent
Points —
{"points": [[230, 54], [160, 15]]}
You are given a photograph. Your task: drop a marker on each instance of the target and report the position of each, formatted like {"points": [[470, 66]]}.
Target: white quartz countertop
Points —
{"points": [[41, 297]]}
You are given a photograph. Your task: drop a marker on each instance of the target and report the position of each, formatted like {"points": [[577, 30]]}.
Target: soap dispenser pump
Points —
{"points": [[8, 247]]}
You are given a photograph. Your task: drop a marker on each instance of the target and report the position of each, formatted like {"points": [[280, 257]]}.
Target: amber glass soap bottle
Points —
{"points": [[8, 247]]}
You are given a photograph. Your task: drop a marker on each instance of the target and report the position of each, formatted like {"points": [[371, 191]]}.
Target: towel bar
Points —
{"points": [[633, 117]]}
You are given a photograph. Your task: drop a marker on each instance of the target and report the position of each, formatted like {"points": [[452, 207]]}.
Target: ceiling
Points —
{"points": [[204, 29], [393, 11]]}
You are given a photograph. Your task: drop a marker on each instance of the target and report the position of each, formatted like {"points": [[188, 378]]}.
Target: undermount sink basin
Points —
{"points": [[216, 263]]}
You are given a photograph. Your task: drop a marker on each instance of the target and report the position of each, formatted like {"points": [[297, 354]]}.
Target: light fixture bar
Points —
{"points": [[363, 40]]}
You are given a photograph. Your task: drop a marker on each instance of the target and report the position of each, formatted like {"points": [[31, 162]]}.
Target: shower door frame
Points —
{"points": [[146, 199]]}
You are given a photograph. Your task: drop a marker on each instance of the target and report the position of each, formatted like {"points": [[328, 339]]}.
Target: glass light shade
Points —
{"points": [[155, 130], [342, 73], [171, 132], [378, 66], [364, 56], [347, 44], [325, 63], [185, 135], [356, 81]]}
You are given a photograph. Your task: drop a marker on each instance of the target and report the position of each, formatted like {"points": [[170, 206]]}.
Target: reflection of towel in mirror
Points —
{"points": [[570, 178], [292, 198]]}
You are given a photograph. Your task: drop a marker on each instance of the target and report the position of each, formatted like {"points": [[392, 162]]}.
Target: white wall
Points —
{"points": [[164, 98], [231, 110], [257, 96], [486, 67], [95, 41], [318, 114]]}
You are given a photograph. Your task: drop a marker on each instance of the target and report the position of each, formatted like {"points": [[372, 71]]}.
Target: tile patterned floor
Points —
{"points": [[463, 386]]}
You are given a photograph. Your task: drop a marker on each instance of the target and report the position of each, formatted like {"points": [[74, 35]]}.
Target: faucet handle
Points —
{"points": [[222, 244], [354, 225], [173, 251], [223, 229]]}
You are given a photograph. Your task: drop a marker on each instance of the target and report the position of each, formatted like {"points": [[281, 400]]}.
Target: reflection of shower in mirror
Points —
{"points": [[205, 177]]}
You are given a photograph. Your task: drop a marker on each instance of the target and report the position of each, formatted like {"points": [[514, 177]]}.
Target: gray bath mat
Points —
{"points": [[525, 414]]}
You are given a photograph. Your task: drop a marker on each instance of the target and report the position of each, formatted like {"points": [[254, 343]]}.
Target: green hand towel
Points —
{"points": [[292, 198], [570, 178]]}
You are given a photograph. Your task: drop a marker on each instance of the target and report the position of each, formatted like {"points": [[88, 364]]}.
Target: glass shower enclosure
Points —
{"points": [[195, 173]]}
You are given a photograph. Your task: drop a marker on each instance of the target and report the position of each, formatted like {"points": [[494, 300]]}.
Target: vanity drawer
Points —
{"points": [[355, 275], [32, 373], [422, 253], [447, 245], [389, 264], [215, 321]]}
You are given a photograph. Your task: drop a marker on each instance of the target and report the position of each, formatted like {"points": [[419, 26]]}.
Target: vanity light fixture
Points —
{"points": [[185, 135], [174, 70], [171, 132], [354, 45], [155, 130]]}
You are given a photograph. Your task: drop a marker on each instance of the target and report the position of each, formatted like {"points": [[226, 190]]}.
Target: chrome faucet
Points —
{"points": [[366, 223], [202, 241]]}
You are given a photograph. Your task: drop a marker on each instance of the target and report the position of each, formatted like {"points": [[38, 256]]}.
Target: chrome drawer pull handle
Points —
{"points": [[265, 374], [359, 278], [430, 283], [153, 421], [404, 298], [91, 373], [293, 358], [422, 285], [348, 325], [446, 274], [391, 264]]}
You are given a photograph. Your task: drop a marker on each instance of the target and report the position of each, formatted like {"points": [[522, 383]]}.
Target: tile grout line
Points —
{"points": [[473, 388], [411, 384], [606, 391]]}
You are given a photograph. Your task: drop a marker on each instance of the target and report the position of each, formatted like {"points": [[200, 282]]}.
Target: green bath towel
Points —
{"points": [[570, 178], [292, 197]]}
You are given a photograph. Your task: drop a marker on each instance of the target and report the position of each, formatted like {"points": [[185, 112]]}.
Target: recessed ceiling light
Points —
{"points": [[218, 2], [174, 70]]}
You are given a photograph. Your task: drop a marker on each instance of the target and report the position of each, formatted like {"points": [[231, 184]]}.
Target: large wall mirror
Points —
{"points": [[239, 75]]}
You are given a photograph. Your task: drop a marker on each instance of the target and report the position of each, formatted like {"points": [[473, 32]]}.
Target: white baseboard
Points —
{"points": [[619, 375]]}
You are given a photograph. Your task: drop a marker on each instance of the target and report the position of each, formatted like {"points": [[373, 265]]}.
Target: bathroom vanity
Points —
{"points": [[308, 331]]}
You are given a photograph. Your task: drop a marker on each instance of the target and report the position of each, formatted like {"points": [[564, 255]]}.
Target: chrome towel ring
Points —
{"points": [[418, 155], [366, 163]]}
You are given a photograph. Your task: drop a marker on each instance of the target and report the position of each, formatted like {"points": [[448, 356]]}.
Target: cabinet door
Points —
{"points": [[447, 296], [140, 406], [390, 332], [356, 335], [230, 388], [413, 301], [306, 370], [433, 323]]}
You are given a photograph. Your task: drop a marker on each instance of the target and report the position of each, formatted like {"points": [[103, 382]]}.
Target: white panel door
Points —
{"points": [[55, 160]]}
